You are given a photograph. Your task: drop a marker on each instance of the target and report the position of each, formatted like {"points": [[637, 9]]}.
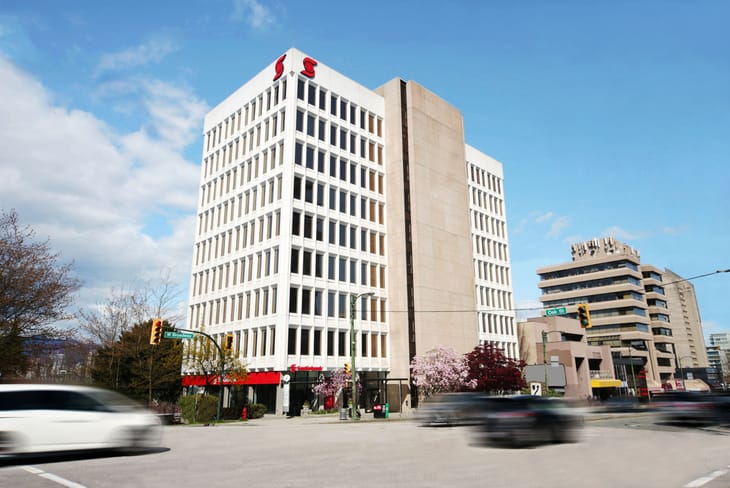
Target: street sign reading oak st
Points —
{"points": [[170, 334], [550, 312]]}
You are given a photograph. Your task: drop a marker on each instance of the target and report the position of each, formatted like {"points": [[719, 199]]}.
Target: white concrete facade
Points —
{"points": [[294, 219]]}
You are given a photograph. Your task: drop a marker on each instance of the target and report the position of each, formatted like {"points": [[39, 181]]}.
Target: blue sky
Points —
{"points": [[610, 118]]}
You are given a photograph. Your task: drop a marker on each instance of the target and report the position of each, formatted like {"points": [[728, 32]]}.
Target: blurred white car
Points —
{"points": [[52, 418]]}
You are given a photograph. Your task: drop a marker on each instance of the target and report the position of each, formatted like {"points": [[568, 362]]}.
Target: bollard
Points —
{"points": [[244, 414]]}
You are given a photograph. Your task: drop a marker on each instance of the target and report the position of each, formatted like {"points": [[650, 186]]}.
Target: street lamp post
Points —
{"points": [[353, 300], [681, 370]]}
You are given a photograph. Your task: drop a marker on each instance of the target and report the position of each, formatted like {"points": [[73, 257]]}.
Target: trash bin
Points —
{"points": [[343, 414], [386, 409], [379, 411]]}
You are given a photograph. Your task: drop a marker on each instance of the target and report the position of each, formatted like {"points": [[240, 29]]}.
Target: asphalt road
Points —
{"points": [[617, 451]]}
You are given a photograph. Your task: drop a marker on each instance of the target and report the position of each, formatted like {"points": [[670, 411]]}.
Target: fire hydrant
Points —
{"points": [[244, 414]]}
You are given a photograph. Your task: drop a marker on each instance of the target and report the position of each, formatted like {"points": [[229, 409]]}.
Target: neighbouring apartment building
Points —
{"points": [[649, 317], [315, 192]]}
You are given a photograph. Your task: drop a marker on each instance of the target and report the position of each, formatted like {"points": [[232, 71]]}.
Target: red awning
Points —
{"points": [[253, 378]]}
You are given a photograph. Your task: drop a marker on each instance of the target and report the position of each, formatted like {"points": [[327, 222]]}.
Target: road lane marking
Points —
{"points": [[706, 479], [53, 477]]}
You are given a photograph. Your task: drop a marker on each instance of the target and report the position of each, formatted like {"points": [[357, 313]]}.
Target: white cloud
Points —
{"points": [[92, 191], [149, 52], [544, 217], [620, 233], [558, 225], [253, 12]]}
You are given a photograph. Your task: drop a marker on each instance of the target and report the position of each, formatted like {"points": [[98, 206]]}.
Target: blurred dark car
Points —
{"points": [[450, 409], [624, 404], [693, 407], [527, 420]]}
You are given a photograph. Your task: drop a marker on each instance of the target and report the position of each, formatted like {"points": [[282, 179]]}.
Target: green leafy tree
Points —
{"points": [[35, 291], [136, 368], [491, 371]]}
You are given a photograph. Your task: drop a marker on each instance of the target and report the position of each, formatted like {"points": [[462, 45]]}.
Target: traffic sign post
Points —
{"points": [[171, 334], [551, 312]]}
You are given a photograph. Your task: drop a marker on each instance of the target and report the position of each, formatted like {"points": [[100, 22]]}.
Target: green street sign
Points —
{"points": [[169, 334], [551, 312]]}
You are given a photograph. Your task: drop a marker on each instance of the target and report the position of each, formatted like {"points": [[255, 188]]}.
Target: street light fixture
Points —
{"points": [[353, 300]]}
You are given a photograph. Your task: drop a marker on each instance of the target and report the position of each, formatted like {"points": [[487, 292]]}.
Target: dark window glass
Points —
{"points": [[342, 270], [333, 198], [295, 223], [320, 162], [304, 344], [298, 153], [353, 114], [330, 342], [331, 267], [343, 235], [343, 110], [320, 195], [318, 265], [331, 304], [322, 99], [308, 226], [353, 205], [297, 188], [319, 232], [343, 139], [341, 343], [353, 239], [300, 121], [306, 303], [293, 299], [311, 124], [343, 170], [307, 263], [308, 191], [353, 271], [300, 89], [295, 260], [318, 312], [310, 157], [322, 130], [312, 96], [333, 166], [291, 347], [333, 105], [332, 234]]}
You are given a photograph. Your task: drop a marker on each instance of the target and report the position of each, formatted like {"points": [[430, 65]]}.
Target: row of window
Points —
{"points": [[482, 177], [347, 111], [487, 202], [246, 269], [369, 179], [493, 273], [311, 301], [339, 268], [254, 232], [484, 246], [499, 299], [592, 268], [497, 324], [252, 304], [343, 234], [485, 223], [246, 115], [319, 128], [619, 280], [237, 208], [603, 297], [314, 192], [309, 342]]}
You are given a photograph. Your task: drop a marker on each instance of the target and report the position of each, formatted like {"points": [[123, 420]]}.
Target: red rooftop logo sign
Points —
{"points": [[308, 70]]}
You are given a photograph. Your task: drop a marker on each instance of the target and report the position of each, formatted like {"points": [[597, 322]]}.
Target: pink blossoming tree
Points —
{"points": [[440, 370]]}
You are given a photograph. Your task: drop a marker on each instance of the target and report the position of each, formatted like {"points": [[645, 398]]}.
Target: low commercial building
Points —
{"points": [[555, 350]]}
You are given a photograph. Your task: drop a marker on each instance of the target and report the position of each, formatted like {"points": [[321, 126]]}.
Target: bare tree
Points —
{"points": [[35, 289]]}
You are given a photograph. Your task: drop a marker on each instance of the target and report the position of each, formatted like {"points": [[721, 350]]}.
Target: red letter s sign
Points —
{"points": [[279, 67], [309, 65]]}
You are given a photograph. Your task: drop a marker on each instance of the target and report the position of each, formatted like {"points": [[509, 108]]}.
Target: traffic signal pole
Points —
{"points": [[222, 368]]}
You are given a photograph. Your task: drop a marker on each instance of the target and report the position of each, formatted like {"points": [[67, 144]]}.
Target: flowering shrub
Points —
{"points": [[440, 370]]}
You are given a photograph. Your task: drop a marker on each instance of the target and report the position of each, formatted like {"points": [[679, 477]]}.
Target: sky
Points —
{"points": [[611, 118]]}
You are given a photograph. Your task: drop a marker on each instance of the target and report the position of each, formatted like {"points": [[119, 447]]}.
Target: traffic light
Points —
{"points": [[156, 332], [584, 315], [347, 368], [228, 342]]}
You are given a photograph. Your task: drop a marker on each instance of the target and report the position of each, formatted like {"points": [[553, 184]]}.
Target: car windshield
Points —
{"points": [[114, 401]]}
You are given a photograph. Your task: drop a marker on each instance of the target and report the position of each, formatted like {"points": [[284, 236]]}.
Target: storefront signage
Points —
{"points": [[294, 368]]}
